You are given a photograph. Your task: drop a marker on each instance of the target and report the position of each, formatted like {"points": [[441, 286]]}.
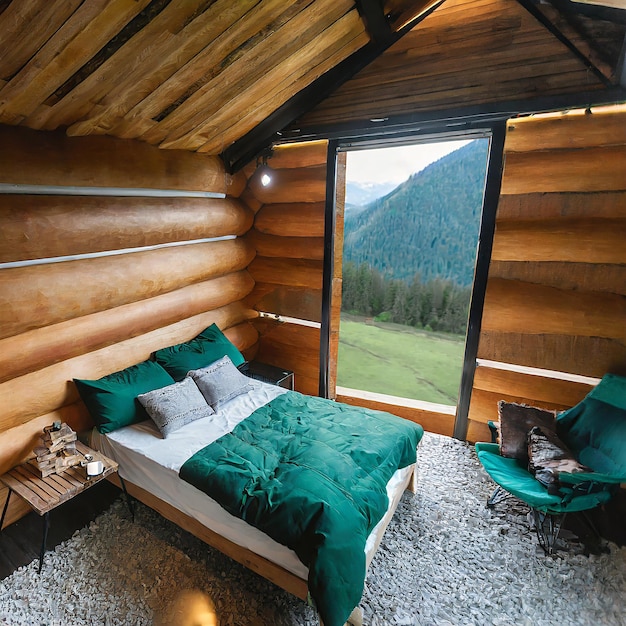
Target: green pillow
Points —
{"points": [[112, 400], [209, 346]]}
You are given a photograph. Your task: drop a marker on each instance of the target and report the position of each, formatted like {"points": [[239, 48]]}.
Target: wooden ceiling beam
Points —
{"points": [[573, 26], [82, 36], [21, 38], [608, 14], [159, 84], [375, 20], [277, 55], [343, 44], [242, 151], [532, 8]]}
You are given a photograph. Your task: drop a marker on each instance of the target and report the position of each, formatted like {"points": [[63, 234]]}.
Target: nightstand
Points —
{"points": [[268, 374], [43, 494]]}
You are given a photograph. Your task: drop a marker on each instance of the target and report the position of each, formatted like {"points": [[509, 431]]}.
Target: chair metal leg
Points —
{"points": [[499, 495], [591, 525], [594, 543], [548, 527], [46, 526]]}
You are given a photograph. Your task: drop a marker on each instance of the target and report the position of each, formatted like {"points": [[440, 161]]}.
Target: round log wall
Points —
{"points": [[288, 236], [92, 284], [556, 293]]}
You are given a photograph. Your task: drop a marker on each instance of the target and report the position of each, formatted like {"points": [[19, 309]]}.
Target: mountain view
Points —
{"points": [[359, 195], [408, 265], [428, 225]]}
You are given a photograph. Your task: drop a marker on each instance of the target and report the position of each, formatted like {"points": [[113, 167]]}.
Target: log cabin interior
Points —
{"points": [[132, 216]]}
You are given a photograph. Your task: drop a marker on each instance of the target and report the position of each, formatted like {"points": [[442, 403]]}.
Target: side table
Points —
{"points": [[268, 374], [45, 494]]}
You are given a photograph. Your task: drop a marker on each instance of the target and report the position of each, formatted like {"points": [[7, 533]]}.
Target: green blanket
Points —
{"points": [[311, 474]]}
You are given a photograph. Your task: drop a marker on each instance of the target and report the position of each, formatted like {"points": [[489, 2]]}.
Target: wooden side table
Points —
{"points": [[45, 494]]}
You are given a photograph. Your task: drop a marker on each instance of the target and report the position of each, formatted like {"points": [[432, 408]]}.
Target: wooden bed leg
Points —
{"points": [[412, 486], [355, 619]]}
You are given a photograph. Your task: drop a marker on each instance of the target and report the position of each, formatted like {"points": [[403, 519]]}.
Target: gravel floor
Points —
{"points": [[446, 560]]}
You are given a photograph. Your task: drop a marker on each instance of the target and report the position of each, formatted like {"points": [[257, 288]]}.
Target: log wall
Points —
{"points": [[288, 236], [556, 293], [140, 275]]}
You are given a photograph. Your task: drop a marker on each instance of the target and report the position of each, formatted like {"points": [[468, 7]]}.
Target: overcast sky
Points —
{"points": [[395, 164]]}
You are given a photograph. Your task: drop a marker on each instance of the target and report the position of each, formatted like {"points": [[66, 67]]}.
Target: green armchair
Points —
{"points": [[595, 432]]}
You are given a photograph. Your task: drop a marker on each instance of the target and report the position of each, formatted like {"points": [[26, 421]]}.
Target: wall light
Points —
{"points": [[263, 171]]}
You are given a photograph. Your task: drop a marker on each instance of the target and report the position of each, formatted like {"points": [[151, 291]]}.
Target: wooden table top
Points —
{"points": [[44, 494]]}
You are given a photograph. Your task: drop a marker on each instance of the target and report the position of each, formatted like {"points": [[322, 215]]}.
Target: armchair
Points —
{"points": [[595, 432]]}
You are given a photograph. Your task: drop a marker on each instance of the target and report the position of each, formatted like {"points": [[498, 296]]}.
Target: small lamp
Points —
{"points": [[263, 171]]}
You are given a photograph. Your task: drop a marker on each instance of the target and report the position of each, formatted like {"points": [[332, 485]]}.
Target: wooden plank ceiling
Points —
{"points": [[472, 53], [201, 75], [190, 74]]}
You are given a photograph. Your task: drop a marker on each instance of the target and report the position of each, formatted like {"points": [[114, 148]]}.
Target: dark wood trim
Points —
{"points": [[493, 183], [531, 7], [242, 151], [454, 132], [479, 116], [329, 265], [596, 12], [376, 23], [497, 132]]}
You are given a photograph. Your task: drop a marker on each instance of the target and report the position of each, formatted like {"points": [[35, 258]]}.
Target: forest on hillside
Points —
{"points": [[428, 225], [437, 304], [409, 256]]}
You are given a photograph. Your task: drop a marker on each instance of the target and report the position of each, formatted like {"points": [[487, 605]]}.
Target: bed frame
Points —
{"points": [[263, 567]]}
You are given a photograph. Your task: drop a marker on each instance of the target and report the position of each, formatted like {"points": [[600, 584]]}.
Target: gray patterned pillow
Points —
{"points": [[174, 406], [220, 382]]}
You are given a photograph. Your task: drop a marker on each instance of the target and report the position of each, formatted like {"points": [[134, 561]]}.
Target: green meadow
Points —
{"points": [[399, 360]]}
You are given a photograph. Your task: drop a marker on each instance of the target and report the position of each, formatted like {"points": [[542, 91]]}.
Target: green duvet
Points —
{"points": [[311, 474]]}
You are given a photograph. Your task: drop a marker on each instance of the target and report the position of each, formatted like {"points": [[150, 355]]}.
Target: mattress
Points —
{"points": [[151, 462]]}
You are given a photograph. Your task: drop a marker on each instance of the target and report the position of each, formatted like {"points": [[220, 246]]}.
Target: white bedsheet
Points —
{"points": [[148, 460]]}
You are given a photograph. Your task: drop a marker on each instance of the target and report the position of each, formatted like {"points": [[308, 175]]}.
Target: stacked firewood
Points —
{"points": [[57, 451]]}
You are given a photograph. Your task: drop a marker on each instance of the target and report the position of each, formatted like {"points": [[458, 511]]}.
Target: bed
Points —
{"points": [[313, 566]]}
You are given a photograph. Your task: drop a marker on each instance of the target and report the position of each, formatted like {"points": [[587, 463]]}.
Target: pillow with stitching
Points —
{"points": [[206, 348], [220, 382], [112, 400], [174, 406], [516, 420]]}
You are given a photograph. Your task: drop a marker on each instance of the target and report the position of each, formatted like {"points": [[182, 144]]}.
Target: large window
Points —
{"points": [[412, 217]]}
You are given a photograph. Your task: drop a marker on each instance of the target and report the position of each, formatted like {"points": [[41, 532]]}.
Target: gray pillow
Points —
{"points": [[174, 406], [220, 382]]}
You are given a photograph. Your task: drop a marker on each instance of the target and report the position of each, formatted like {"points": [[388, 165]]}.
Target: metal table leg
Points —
{"points": [[6, 506], [46, 526], [129, 501]]}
